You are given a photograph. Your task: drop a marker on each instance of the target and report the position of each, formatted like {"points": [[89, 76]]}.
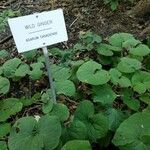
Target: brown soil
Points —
{"points": [[83, 15]]}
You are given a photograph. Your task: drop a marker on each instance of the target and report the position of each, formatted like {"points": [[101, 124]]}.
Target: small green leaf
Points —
{"points": [[61, 111], [91, 72], [118, 38], [130, 43], [10, 66], [118, 78], [9, 107], [140, 50], [30, 55], [145, 98], [76, 130], [129, 65], [84, 110], [76, 145], [102, 49], [4, 85], [66, 87], [79, 47], [104, 94], [4, 54], [60, 73], [141, 81], [4, 129], [47, 107], [36, 72], [22, 70]]}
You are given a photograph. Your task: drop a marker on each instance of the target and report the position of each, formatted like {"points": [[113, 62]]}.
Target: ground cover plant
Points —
{"points": [[102, 80], [103, 95]]}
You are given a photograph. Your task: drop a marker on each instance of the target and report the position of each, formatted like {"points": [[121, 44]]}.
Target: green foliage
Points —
{"points": [[114, 75], [134, 133], [9, 107], [76, 145], [91, 72], [104, 94], [66, 87], [129, 65], [3, 145], [61, 111], [4, 129], [96, 124], [118, 79], [114, 3], [29, 134], [4, 85], [4, 54], [4, 17], [36, 72]]}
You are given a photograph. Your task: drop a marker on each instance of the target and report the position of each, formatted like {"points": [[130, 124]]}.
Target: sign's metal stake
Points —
{"points": [[45, 51]]}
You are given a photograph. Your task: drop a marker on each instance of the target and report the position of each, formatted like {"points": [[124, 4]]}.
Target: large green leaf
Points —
{"points": [[4, 85], [134, 133], [91, 72], [28, 134], [104, 94], [141, 81], [10, 66], [118, 78], [4, 129], [118, 38], [9, 107], [140, 50], [97, 124], [129, 65], [3, 145], [77, 145], [66, 87]]}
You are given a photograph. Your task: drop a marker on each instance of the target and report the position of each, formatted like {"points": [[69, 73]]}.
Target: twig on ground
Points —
{"points": [[5, 39]]}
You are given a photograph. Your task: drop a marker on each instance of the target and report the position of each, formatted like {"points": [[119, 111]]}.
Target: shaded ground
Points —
{"points": [[82, 15]]}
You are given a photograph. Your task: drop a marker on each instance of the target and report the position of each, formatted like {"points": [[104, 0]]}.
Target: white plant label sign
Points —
{"points": [[38, 30]]}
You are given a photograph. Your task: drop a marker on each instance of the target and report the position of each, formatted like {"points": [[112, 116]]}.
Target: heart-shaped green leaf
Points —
{"points": [[140, 50], [134, 133], [91, 72], [129, 65], [30, 134]]}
